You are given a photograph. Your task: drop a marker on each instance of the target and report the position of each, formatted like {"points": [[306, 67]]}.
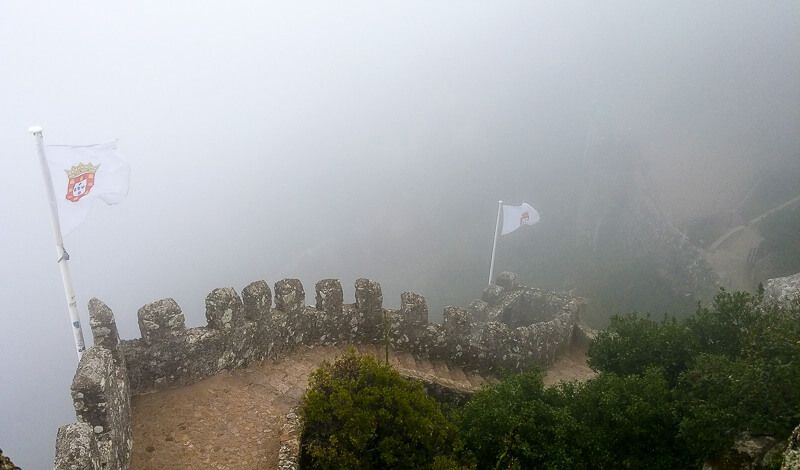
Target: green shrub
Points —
{"points": [[359, 414], [630, 421], [519, 424], [610, 422], [631, 344], [727, 325]]}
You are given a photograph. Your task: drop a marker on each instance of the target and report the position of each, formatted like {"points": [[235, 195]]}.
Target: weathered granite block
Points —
{"points": [[160, 319], [101, 400], [408, 325], [224, 309], [203, 354], [330, 312], [329, 297], [369, 304], [458, 328], [413, 308], [398, 332], [492, 294], [104, 329], [782, 290], [434, 342], [257, 299], [307, 330], [76, 448], [499, 351], [283, 331], [507, 280], [478, 310], [290, 296], [457, 321]]}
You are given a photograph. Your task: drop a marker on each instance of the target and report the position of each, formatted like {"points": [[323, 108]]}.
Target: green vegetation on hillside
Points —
{"points": [[669, 394]]}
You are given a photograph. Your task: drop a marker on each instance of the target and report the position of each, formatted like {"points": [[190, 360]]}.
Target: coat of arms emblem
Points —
{"points": [[81, 180]]}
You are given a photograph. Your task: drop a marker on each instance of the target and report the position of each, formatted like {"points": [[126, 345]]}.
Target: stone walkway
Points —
{"points": [[233, 420]]}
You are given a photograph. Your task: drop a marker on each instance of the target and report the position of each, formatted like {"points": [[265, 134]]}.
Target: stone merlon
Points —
{"points": [[160, 319], [224, 309], [290, 297], [257, 299]]}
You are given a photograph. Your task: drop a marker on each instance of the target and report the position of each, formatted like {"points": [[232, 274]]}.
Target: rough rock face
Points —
{"points": [[76, 448], [160, 319], [101, 400], [369, 305], [289, 452], [104, 329], [6, 463], [492, 294], [290, 296], [782, 289], [224, 309], [257, 300], [245, 329], [791, 458], [507, 280], [330, 319]]}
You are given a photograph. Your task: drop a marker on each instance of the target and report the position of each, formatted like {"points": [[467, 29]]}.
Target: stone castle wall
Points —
{"points": [[511, 328]]}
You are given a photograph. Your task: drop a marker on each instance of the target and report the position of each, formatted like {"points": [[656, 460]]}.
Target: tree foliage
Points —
{"points": [[360, 414], [611, 422], [631, 344], [733, 367], [670, 393], [519, 424]]}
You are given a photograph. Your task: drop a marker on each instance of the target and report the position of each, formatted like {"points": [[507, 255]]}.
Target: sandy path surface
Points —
{"points": [[233, 421]]}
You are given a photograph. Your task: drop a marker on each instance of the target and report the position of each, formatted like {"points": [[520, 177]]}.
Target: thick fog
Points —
{"points": [[358, 139]]}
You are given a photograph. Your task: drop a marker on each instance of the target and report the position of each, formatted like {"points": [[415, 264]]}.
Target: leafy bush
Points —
{"points": [[670, 393], [631, 344], [360, 414], [630, 421], [519, 424], [727, 325], [733, 367], [610, 422]]}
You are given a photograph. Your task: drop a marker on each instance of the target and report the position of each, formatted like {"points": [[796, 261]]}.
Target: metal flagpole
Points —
{"points": [[494, 245], [63, 256]]}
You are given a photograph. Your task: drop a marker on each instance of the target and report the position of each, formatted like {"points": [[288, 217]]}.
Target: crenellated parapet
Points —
{"points": [[512, 328], [515, 327]]}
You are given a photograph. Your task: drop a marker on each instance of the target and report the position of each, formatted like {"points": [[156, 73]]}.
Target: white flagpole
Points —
{"points": [[494, 245], [63, 256]]}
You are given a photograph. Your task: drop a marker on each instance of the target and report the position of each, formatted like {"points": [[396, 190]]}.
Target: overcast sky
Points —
{"points": [[336, 139]]}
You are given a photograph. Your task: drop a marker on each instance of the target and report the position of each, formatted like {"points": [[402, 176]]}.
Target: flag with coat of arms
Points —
{"points": [[515, 217], [82, 175]]}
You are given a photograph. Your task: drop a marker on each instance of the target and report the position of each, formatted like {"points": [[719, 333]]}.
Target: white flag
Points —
{"points": [[83, 175], [515, 217]]}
